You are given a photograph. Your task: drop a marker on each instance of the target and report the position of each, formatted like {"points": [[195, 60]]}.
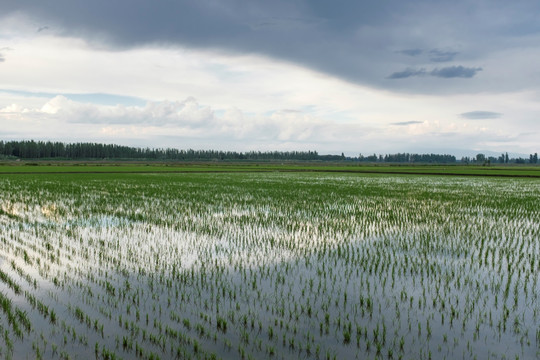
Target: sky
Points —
{"points": [[420, 76]]}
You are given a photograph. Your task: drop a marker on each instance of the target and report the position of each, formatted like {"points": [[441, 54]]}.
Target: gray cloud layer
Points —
{"points": [[478, 115], [455, 72], [446, 72], [405, 123], [356, 40], [411, 52], [407, 73], [437, 55]]}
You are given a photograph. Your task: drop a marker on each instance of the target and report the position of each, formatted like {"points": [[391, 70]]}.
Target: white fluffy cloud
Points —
{"points": [[183, 118], [178, 113], [187, 123]]}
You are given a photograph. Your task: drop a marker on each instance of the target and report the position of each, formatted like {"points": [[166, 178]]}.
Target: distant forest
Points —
{"points": [[30, 149]]}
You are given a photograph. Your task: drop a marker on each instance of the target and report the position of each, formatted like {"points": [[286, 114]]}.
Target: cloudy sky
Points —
{"points": [[338, 76]]}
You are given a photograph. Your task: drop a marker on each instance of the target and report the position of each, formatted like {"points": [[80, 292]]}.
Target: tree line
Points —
{"points": [[410, 158], [30, 149], [502, 159]]}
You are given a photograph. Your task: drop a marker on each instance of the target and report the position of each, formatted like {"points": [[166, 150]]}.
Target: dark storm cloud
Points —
{"points": [[446, 73], [434, 55], [405, 123], [411, 52], [478, 115], [286, 23], [349, 39], [455, 72], [407, 73], [437, 55]]}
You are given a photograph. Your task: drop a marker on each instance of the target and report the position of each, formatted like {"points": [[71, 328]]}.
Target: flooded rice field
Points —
{"points": [[251, 266]]}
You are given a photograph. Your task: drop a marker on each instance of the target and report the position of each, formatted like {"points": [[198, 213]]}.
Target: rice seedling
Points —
{"points": [[269, 265]]}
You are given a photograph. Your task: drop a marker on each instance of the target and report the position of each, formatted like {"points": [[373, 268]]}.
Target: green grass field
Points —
{"points": [[127, 167]]}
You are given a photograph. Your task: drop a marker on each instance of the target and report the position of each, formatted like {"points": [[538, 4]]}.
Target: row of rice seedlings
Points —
{"points": [[235, 251], [17, 318]]}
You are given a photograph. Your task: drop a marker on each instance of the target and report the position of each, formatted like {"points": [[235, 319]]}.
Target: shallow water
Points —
{"points": [[411, 267]]}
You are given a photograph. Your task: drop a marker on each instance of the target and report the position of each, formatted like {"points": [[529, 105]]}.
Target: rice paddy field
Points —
{"points": [[269, 265]]}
